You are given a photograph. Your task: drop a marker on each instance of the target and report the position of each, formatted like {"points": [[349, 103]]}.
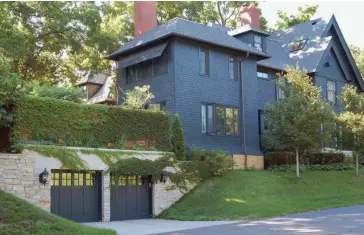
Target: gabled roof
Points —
{"points": [[246, 28], [95, 78], [105, 93], [188, 29]]}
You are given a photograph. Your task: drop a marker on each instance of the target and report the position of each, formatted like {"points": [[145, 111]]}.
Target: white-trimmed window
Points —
{"points": [[262, 75], [331, 91], [258, 42], [204, 62], [233, 68]]}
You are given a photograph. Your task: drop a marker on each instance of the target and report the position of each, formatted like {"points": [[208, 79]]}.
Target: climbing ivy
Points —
{"points": [[97, 126]]}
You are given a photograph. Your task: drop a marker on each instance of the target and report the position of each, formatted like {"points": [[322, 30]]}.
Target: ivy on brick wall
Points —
{"points": [[71, 124]]}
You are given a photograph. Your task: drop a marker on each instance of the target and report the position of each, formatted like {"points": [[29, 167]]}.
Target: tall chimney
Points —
{"points": [[145, 17], [250, 15]]}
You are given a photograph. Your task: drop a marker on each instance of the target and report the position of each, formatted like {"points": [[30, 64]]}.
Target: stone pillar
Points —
{"points": [[106, 198]]}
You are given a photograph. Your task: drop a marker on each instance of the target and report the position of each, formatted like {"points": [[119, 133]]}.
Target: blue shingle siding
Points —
{"points": [[193, 89], [162, 86]]}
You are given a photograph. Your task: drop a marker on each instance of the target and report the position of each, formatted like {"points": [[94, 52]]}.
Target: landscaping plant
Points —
{"points": [[353, 119], [298, 117], [177, 139], [138, 98]]}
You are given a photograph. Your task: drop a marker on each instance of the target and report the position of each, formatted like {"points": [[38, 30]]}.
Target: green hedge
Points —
{"points": [[71, 124], [315, 158], [305, 168]]}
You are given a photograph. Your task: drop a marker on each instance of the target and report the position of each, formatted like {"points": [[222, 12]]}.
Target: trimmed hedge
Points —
{"points": [[71, 124], [305, 168], [317, 158]]}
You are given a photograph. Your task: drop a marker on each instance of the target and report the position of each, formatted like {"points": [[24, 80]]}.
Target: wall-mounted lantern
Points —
{"points": [[164, 177], [43, 177]]}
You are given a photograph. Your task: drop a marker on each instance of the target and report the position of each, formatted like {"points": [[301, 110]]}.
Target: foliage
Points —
{"points": [[135, 166], [304, 14], [138, 98], [318, 167], [71, 124], [312, 158], [352, 118], [177, 139], [205, 165], [19, 217], [241, 195], [297, 118], [224, 13], [358, 55], [70, 93]]}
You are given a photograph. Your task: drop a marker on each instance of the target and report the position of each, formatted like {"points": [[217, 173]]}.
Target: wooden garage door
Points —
{"points": [[130, 197], [76, 195]]}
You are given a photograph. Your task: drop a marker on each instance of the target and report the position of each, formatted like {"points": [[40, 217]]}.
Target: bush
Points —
{"points": [[177, 139], [305, 168], [72, 124], [279, 158], [311, 158], [74, 94], [324, 158]]}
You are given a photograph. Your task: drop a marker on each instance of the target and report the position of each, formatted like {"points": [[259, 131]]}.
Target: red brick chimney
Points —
{"points": [[250, 15], [145, 17]]}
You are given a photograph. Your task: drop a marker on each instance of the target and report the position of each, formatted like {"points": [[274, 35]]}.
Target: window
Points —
{"points": [[298, 45], [159, 106], [219, 120], [258, 42], [233, 68], [78, 179], [204, 62], [262, 75], [331, 92], [264, 122], [280, 91], [147, 69], [55, 179]]}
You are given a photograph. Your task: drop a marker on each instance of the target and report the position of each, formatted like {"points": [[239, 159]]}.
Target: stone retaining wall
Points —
{"points": [[19, 175]]}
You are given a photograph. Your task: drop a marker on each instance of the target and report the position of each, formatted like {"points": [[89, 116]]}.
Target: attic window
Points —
{"points": [[314, 22], [298, 45]]}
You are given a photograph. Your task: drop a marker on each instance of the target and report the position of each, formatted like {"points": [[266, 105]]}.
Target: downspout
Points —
{"points": [[242, 109]]}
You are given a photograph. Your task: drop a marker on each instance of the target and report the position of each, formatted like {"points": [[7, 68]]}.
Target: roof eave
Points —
{"points": [[115, 55]]}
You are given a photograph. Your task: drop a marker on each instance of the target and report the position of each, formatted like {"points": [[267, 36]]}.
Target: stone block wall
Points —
{"points": [[19, 177]]}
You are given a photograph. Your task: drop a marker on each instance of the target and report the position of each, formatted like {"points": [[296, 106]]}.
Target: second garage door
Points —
{"points": [[130, 197]]}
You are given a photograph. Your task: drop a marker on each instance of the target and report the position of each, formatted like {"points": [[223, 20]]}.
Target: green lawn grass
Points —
{"points": [[254, 194], [18, 217]]}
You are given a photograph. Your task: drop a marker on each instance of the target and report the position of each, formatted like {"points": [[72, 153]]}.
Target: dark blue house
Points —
{"points": [[219, 80]]}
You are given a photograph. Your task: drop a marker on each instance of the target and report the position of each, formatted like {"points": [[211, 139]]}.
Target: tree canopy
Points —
{"points": [[304, 14], [298, 117]]}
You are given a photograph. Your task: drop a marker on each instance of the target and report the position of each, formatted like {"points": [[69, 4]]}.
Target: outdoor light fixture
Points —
{"points": [[164, 177], [43, 177]]}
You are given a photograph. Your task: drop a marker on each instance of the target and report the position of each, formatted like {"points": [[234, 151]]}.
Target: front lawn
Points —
{"points": [[251, 195], [18, 217]]}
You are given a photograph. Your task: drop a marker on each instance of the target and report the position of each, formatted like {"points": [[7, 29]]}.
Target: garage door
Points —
{"points": [[131, 197], [76, 195]]}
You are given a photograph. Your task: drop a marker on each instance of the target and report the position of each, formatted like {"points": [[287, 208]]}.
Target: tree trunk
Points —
{"points": [[357, 163], [297, 163]]}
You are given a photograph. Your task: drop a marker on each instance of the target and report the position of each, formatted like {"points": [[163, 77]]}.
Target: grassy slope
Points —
{"points": [[16, 216], [250, 195]]}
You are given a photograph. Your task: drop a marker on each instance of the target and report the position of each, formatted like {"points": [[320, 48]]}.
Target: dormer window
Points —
{"points": [[298, 45], [258, 42]]}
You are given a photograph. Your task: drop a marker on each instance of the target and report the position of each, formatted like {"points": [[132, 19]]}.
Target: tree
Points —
{"points": [[297, 118], [138, 98], [177, 139], [358, 55], [353, 118], [304, 14]]}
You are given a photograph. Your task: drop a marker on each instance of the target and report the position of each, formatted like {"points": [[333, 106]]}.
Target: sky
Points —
{"points": [[349, 15]]}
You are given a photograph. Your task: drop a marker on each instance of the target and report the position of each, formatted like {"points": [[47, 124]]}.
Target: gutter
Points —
{"points": [[242, 105]]}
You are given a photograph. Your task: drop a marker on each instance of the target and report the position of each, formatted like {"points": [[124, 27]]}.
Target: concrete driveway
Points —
{"points": [[348, 221], [153, 226]]}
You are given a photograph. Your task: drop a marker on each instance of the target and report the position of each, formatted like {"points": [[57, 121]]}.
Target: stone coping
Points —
{"points": [[100, 149]]}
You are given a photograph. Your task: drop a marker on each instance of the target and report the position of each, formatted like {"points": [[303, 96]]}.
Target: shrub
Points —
{"points": [[72, 124], [305, 168], [177, 139], [74, 94], [195, 154], [324, 158], [138, 97], [279, 158], [312, 158], [217, 162]]}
